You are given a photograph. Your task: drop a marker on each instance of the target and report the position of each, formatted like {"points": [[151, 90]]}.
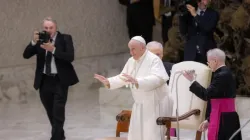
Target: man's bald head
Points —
{"points": [[156, 48], [137, 47]]}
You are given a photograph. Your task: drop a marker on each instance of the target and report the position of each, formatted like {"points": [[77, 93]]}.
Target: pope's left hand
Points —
{"points": [[48, 46], [191, 9], [189, 75], [130, 79]]}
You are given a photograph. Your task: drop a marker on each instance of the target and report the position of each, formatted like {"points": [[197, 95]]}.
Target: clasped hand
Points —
{"points": [[48, 46]]}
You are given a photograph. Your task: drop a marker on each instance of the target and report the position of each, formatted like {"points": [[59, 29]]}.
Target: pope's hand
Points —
{"points": [[130, 79], [102, 79], [203, 126], [189, 75]]}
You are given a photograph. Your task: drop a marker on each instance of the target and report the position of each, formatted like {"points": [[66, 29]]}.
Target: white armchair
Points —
{"points": [[191, 109]]}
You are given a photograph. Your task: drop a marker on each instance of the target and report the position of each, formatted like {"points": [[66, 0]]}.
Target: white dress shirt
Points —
{"points": [[199, 11]]}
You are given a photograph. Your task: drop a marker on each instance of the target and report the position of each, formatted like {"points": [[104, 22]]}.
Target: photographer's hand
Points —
{"points": [[35, 37], [192, 10], [48, 46]]}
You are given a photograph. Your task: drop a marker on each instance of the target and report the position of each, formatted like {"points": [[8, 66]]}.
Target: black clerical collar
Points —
{"points": [[219, 68]]}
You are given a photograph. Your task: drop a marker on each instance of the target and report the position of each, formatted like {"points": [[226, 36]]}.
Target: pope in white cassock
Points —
{"points": [[146, 76]]}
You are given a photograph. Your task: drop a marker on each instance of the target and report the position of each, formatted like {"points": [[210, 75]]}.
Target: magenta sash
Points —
{"points": [[172, 132], [217, 107]]}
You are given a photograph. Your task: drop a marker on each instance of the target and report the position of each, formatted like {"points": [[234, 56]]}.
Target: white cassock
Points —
{"points": [[151, 98]]}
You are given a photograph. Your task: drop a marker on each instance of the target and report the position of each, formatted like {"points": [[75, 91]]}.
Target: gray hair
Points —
{"points": [[154, 44], [217, 53], [50, 19]]}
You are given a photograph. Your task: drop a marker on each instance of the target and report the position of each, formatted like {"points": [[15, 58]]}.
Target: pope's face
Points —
{"points": [[136, 49]]}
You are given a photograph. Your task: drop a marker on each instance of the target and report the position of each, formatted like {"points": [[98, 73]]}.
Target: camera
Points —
{"points": [[44, 37], [182, 7]]}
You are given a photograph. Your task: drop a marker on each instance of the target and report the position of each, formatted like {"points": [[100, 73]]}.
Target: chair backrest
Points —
{"points": [[186, 99]]}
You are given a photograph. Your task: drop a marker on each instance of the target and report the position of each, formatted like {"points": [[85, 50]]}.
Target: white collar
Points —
{"points": [[199, 10], [142, 57], [54, 37]]}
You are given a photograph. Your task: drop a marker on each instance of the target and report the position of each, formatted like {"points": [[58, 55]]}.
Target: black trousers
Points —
{"points": [[54, 97], [200, 58], [229, 124], [146, 31], [165, 26]]}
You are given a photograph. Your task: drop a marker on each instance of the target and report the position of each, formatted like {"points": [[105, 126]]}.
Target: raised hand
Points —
{"points": [[189, 75], [191, 9], [130, 79], [102, 79], [35, 36]]}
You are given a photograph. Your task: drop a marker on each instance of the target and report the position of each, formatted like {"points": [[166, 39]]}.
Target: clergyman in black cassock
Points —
{"points": [[223, 119]]}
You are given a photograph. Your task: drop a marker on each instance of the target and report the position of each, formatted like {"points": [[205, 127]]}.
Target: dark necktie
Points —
{"points": [[48, 62], [201, 13]]}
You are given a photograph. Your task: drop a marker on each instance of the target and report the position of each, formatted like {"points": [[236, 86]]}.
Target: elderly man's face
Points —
{"points": [[212, 63], [202, 5], [50, 27], [156, 51], [136, 49], [205, 2]]}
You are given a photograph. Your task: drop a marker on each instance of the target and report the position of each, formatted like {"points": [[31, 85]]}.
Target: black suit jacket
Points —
{"points": [[222, 85], [139, 13], [200, 34], [168, 66], [64, 55]]}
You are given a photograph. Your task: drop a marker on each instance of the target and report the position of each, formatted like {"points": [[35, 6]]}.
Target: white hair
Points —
{"points": [[217, 53], [154, 44]]}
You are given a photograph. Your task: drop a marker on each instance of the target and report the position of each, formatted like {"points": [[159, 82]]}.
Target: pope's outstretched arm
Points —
{"points": [[156, 77], [116, 81]]}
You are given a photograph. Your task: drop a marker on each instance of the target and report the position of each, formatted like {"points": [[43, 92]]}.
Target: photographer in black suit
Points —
{"points": [[198, 26], [54, 73]]}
